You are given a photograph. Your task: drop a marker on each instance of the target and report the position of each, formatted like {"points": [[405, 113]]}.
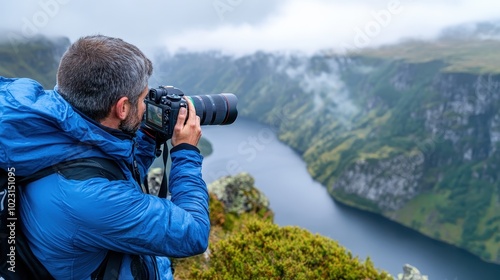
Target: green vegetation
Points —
{"points": [[460, 56], [426, 115], [251, 246], [434, 101], [37, 59], [262, 250], [459, 196]]}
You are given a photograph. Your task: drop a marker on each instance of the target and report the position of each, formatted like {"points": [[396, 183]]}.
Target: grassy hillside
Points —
{"points": [[36, 58], [460, 56]]}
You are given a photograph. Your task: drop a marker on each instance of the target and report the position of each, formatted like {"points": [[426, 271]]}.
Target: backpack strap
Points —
{"points": [[81, 169]]}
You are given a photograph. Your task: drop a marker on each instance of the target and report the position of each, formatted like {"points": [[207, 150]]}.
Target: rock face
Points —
{"points": [[440, 176], [388, 184], [411, 273], [239, 194], [451, 122]]}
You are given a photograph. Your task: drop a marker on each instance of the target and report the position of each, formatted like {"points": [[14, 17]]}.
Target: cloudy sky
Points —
{"points": [[243, 26]]}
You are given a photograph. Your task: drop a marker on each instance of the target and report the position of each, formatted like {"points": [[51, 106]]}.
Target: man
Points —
{"points": [[96, 111]]}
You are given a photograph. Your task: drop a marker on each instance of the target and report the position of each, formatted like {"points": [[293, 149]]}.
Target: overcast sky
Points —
{"points": [[243, 26]]}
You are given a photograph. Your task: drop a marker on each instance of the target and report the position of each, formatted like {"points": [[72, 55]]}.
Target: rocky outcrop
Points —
{"points": [[411, 273], [155, 176], [239, 195]]}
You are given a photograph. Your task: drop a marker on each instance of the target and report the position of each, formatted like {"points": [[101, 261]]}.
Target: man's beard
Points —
{"points": [[131, 123]]}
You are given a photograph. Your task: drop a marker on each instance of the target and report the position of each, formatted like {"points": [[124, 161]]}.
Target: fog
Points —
{"points": [[243, 26]]}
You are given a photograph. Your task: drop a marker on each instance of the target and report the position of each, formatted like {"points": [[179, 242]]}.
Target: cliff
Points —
{"points": [[408, 131], [430, 161]]}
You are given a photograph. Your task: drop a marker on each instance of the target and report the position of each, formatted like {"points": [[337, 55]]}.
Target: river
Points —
{"points": [[298, 200]]}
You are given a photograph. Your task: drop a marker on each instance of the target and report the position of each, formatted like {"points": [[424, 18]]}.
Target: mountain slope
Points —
{"points": [[409, 131], [36, 58], [411, 136]]}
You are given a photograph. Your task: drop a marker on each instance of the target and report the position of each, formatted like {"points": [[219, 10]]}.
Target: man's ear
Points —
{"points": [[122, 108]]}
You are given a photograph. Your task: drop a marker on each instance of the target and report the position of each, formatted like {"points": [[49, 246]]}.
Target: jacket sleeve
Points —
{"points": [[188, 189], [119, 217]]}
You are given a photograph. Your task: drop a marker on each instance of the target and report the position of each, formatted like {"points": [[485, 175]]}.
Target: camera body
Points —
{"points": [[163, 105], [162, 108]]}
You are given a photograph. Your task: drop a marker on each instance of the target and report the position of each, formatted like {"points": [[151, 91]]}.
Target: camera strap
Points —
{"points": [[163, 192]]}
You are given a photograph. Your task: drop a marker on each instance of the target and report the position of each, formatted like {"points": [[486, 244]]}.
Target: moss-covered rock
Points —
{"points": [[411, 273], [239, 195], [246, 244]]}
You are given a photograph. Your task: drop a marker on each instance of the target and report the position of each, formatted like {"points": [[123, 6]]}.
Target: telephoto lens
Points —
{"points": [[216, 109]]}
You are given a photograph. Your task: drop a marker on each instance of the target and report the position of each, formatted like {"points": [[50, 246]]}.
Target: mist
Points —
{"points": [[241, 26]]}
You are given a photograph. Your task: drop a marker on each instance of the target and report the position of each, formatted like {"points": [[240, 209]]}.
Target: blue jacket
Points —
{"points": [[72, 224]]}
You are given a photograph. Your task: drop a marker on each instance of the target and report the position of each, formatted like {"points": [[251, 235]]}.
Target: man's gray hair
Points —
{"points": [[96, 71]]}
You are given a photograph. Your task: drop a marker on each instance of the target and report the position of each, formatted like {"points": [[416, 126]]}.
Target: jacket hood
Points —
{"points": [[39, 128]]}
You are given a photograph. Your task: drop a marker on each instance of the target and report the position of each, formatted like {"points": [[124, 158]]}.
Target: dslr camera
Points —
{"points": [[163, 105]]}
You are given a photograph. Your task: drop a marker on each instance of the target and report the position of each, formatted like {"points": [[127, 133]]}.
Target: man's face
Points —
{"points": [[133, 121]]}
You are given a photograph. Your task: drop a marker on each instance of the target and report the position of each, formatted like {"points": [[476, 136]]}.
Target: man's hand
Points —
{"points": [[187, 131]]}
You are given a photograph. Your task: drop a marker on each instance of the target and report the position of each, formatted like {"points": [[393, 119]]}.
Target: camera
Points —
{"points": [[163, 105]]}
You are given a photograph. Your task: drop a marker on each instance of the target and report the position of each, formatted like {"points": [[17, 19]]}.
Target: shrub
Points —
{"points": [[263, 250]]}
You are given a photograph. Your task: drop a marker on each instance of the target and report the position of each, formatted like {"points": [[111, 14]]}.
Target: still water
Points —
{"points": [[297, 199]]}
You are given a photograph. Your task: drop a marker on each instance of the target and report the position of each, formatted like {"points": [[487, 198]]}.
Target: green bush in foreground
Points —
{"points": [[263, 250]]}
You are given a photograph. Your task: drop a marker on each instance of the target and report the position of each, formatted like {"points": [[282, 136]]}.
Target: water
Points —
{"points": [[297, 199]]}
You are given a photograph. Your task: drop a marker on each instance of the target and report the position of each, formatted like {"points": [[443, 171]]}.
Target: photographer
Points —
{"points": [[96, 110]]}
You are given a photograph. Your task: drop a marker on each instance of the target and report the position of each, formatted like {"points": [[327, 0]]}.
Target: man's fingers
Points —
{"points": [[187, 131], [192, 110], [181, 118]]}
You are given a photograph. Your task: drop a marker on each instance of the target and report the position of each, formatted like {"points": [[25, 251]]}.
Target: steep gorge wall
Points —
{"points": [[433, 160], [405, 140]]}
